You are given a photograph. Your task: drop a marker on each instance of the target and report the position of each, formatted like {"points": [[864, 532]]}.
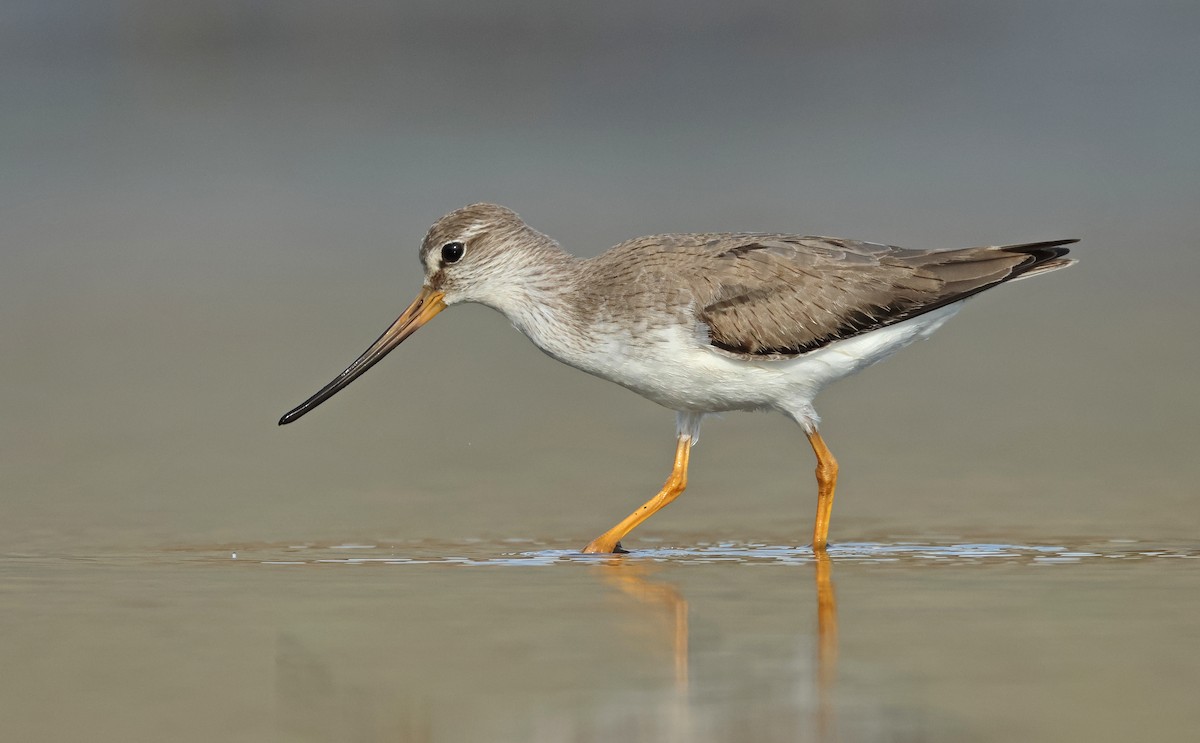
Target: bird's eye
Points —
{"points": [[452, 252]]}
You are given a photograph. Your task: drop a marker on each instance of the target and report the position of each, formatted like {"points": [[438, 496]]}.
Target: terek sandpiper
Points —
{"points": [[703, 323]]}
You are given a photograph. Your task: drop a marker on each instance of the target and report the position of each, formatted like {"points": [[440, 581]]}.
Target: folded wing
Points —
{"points": [[772, 295]]}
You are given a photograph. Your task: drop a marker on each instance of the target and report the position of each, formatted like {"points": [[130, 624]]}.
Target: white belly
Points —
{"points": [[675, 369]]}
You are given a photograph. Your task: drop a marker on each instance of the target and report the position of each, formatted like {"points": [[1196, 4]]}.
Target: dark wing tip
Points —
{"points": [[1047, 256], [1049, 248]]}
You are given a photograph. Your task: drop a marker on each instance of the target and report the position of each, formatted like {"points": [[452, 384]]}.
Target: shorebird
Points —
{"points": [[703, 322]]}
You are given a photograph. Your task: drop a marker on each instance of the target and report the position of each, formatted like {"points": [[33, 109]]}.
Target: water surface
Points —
{"points": [[521, 640], [208, 209]]}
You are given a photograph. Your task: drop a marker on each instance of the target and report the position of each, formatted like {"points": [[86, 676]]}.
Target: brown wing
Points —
{"points": [[785, 295]]}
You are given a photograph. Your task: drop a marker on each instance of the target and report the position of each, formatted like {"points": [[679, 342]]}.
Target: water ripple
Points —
{"points": [[517, 553]]}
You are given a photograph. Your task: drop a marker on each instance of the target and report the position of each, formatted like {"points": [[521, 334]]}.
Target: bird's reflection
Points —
{"points": [[827, 645], [726, 660], [666, 601]]}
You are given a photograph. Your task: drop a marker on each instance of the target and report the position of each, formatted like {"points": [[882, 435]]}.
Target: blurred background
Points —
{"points": [[207, 209]]}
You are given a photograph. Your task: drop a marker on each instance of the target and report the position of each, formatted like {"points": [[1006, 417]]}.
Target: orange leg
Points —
{"points": [[607, 542], [827, 472]]}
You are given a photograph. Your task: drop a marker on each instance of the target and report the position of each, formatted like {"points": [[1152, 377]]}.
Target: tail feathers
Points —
{"points": [[1047, 256]]}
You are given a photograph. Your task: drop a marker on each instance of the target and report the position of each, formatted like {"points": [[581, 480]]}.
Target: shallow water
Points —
{"points": [[208, 209], [525, 641]]}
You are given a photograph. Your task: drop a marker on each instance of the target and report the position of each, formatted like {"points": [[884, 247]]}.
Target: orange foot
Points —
{"points": [[602, 546]]}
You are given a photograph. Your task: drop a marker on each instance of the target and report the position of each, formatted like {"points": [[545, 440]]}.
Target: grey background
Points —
{"points": [[208, 209]]}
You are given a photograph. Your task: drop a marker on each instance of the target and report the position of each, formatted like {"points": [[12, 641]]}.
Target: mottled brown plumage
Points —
{"points": [[783, 295]]}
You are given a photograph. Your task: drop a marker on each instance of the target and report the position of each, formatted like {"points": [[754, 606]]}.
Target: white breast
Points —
{"points": [[674, 367]]}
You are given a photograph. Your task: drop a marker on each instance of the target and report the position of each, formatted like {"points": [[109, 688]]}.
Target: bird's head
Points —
{"points": [[484, 253], [480, 253]]}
